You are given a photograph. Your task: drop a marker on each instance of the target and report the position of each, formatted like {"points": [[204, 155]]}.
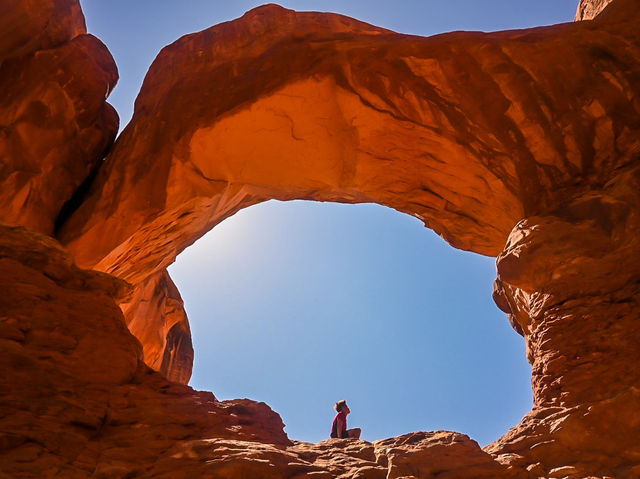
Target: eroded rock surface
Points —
{"points": [[470, 132], [76, 400], [525, 137], [55, 124], [589, 9], [155, 315], [571, 282]]}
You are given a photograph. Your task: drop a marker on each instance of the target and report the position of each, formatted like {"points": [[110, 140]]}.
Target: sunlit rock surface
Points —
{"points": [[468, 131], [589, 9], [521, 144], [54, 122]]}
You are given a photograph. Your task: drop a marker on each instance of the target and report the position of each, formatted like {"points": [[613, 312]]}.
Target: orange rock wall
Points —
{"points": [[570, 281], [55, 125], [470, 132], [155, 315], [76, 400], [520, 144]]}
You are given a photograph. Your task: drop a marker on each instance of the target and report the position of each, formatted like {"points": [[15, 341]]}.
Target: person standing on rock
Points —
{"points": [[339, 427]]}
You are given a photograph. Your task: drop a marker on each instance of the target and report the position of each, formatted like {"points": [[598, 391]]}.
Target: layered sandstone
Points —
{"points": [[76, 399], [470, 132], [570, 281], [55, 124]]}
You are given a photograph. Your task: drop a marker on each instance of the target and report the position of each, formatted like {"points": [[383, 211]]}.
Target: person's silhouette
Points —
{"points": [[339, 427]]}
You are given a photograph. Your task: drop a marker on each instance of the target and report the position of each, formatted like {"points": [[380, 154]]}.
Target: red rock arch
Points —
{"points": [[470, 132], [525, 137]]}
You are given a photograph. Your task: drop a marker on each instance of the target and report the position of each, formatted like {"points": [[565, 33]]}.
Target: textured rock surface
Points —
{"points": [[470, 132], [155, 315], [524, 137], [76, 400], [96, 410], [589, 9], [571, 281], [54, 122], [31, 25]]}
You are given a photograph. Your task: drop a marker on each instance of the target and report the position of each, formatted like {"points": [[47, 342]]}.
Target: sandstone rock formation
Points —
{"points": [[570, 280], [528, 138], [54, 122], [76, 400], [589, 9], [358, 114], [155, 315]]}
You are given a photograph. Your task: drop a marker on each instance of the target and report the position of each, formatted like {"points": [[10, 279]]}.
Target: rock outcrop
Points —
{"points": [[55, 124], [470, 132], [76, 399], [570, 281], [155, 315], [526, 138], [589, 9]]}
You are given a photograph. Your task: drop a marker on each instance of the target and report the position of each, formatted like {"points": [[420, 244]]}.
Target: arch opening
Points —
{"points": [[299, 304]]}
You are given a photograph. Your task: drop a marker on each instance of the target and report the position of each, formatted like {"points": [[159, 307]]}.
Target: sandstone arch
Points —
{"points": [[470, 132], [474, 133]]}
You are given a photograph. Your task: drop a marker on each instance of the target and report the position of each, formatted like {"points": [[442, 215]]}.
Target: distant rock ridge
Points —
{"points": [[520, 144]]}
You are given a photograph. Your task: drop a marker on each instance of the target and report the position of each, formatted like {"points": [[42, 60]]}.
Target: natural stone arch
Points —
{"points": [[470, 132]]}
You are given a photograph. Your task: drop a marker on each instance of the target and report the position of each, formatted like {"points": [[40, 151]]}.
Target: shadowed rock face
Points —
{"points": [[155, 315], [470, 132], [77, 401], [520, 144]]}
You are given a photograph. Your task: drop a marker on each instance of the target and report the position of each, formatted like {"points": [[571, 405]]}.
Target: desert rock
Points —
{"points": [[55, 124], [589, 9], [469, 132], [75, 396], [359, 114], [520, 144], [155, 315]]}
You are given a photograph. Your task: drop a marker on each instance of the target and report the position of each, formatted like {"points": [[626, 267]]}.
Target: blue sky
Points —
{"points": [[301, 304]]}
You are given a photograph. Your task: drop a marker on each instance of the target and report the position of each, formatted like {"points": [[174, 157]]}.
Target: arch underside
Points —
{"points": [[469, 132]]}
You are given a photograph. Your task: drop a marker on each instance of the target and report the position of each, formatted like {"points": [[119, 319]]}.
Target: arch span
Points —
{"points": [[469, 132], [528, 137]]}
